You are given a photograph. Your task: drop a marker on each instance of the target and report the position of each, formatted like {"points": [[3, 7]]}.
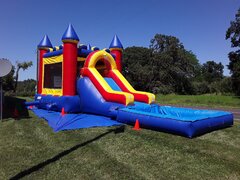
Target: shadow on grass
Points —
{"points": [[64, 153], [14, 107]]}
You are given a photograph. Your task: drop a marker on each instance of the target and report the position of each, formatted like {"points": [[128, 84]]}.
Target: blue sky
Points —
{"points": [[200, 25]]}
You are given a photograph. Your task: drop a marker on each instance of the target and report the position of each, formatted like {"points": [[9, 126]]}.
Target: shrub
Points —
{"points": [[200, 87]]}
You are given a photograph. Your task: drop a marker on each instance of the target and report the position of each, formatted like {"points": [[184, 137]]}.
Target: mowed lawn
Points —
{"points": [[207, 100], [30, 149]]}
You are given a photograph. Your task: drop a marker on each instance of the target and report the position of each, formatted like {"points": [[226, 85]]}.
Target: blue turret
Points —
{"points": [[45, 43], [70, 34], [116, 43], [89, 47]]}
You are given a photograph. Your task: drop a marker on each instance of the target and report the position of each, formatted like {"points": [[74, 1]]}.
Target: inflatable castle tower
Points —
{"points": [[59, 67]]}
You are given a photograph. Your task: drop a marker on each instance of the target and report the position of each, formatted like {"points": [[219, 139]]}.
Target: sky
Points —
{"points": [[200, 25]]}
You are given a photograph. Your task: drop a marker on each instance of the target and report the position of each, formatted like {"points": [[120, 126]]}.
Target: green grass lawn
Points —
{"points": [[29, 148], [200, 100]]}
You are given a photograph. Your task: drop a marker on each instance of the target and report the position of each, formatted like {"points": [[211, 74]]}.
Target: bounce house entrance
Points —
{"points": [[102, 68], [53, 76]]}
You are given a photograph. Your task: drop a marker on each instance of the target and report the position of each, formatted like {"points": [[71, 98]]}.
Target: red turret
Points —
{"points": [[42, 49], [70, 41], [116, 49]]}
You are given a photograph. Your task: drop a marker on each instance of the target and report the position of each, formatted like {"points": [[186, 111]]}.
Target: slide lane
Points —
{"points": [[127, 95], [106, 91], [126, 87]]}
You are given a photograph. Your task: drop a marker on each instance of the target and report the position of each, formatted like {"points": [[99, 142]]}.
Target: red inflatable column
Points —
{"points": [[43, 46], [118, 57], [69, 68], [70, 53], [41, 52], [116, 49]]}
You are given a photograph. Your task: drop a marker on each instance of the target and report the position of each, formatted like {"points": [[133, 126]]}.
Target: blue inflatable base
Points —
{"points": [[71, 104], [95, 112], [73, 121]]}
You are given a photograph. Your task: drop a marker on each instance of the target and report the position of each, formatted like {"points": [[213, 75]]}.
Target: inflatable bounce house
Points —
{"points": [[80, 86]]}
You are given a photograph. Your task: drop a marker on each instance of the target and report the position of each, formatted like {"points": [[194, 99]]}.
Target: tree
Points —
{"points": [[26, 87], [233, 32], [165, 67], [226, 85], [23, 65], [136, 67], [172, 64], [212, 71]]}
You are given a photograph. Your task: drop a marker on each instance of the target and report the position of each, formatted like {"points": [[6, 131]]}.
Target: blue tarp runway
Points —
{"points": [[73, 121]]}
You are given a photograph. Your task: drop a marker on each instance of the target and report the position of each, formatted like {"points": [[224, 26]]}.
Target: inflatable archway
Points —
{"points": [[94, 57], [89, 70], [128, 95]]}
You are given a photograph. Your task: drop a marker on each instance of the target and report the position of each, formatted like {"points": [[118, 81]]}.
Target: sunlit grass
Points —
{"points": [[200, 100], [30, 145]]}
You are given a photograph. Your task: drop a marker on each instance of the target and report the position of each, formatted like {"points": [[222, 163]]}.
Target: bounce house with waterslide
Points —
{"points": [[79, 86]]}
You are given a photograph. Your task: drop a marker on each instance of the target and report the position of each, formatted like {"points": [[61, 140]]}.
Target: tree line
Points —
{"points": [[167, 67]]}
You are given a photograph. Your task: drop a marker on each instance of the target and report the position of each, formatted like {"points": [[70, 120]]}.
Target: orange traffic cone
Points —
{"points": [[63, 112], [136, 126]]}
